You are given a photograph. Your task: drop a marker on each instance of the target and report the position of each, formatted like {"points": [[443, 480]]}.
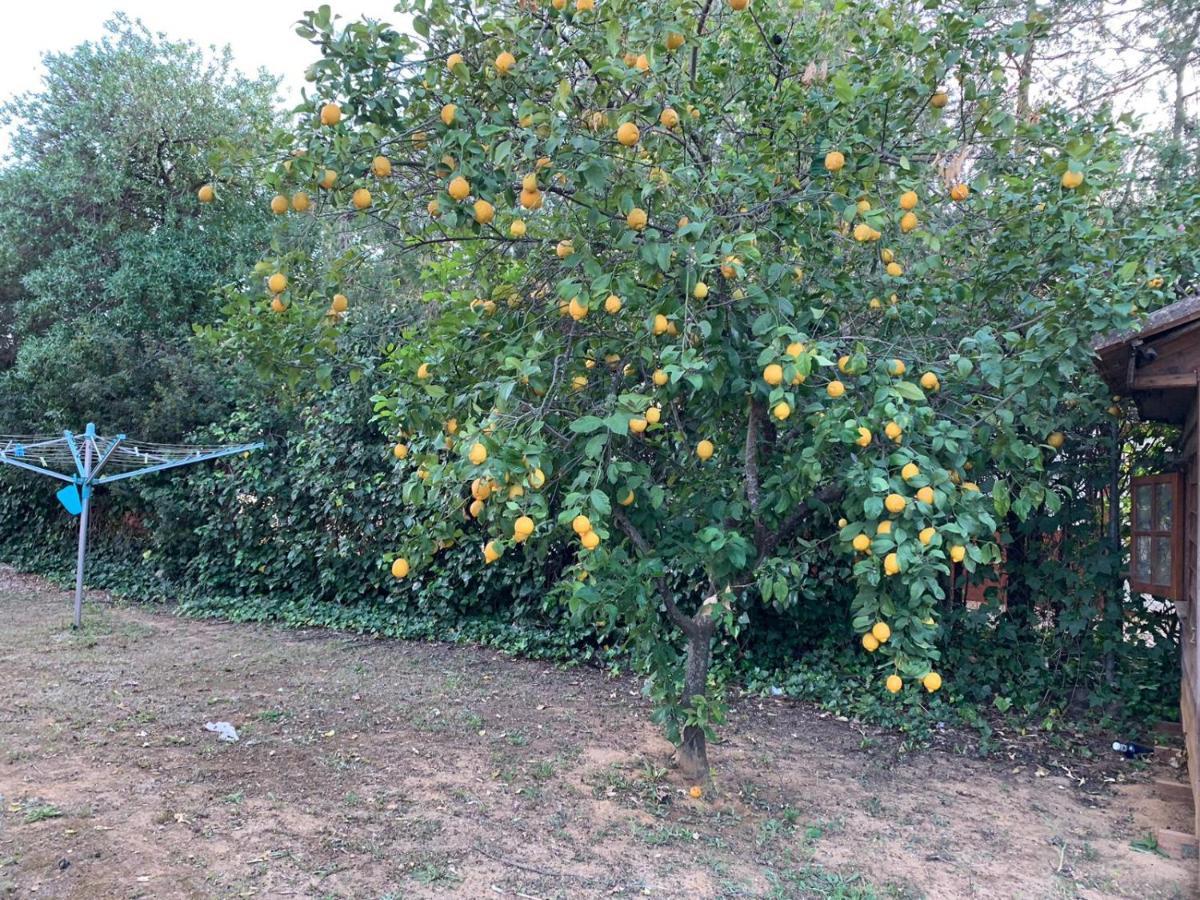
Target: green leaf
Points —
{"points": [[587, 424]]}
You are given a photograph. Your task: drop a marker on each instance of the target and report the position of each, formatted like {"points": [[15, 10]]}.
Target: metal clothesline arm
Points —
{"points": [[5, 458], [213, 454], [107, 453], [75, 452]]}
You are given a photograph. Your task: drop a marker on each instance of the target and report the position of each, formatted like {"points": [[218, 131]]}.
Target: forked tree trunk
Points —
{"points": [[692, 753]]}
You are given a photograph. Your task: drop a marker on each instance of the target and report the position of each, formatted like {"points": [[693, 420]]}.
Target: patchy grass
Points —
{"points": [[383, 769]]}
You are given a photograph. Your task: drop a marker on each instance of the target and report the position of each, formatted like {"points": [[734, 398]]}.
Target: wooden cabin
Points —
{"points": [[1158, 367]]}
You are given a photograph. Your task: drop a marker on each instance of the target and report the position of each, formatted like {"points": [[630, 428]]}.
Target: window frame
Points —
{"points": [[1173, 590]]}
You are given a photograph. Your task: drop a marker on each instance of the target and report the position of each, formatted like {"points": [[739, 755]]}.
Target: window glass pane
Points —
{"points": [[1162, 561], [1163, 514], [1141, 558], [1142, 499]]}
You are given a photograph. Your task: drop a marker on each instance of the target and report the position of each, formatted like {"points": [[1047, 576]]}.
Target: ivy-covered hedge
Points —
{"points": [[299, 533]]}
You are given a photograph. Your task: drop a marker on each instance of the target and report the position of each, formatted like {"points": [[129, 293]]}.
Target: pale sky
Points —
{"points": [[260, 33]]}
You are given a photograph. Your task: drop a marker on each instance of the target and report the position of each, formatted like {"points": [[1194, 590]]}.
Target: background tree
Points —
{"points": [[107, 259]]}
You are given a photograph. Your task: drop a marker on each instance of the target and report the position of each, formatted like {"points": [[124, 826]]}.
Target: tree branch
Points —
{"points": [[789, 525], [675, 614], [754, 412]]}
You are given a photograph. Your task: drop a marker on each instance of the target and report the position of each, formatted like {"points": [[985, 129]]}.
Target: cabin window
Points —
{"points": [[1156, 557]]}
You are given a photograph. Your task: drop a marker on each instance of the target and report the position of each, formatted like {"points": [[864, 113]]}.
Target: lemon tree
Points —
{"points": [[708, 288]]}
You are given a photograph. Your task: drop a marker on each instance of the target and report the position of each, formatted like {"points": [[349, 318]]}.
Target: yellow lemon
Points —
{"points": [[522, 528], [704, 450], [882, 631], [628, 134], [932, 681], [894, 684], [504, 62], [835, 389], [331, 114], [400, 567], [895, 504]]}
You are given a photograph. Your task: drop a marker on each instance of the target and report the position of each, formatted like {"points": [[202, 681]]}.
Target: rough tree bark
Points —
{"points": [[692, 752]]}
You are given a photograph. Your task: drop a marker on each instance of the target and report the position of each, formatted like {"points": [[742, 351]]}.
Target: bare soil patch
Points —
{"points": [[374, 769]]}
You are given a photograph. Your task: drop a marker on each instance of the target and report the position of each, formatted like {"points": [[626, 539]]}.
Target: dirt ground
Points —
{"points": [[373, 769]]}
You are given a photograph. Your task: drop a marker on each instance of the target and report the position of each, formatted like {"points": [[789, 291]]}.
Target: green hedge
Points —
{"points": [[298, 534]]}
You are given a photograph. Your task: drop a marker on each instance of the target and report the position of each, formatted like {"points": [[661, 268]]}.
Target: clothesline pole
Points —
{"points": [[86, 503]]}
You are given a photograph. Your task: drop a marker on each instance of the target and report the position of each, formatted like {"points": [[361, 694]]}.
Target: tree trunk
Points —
{"points": [[692, 753]]}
